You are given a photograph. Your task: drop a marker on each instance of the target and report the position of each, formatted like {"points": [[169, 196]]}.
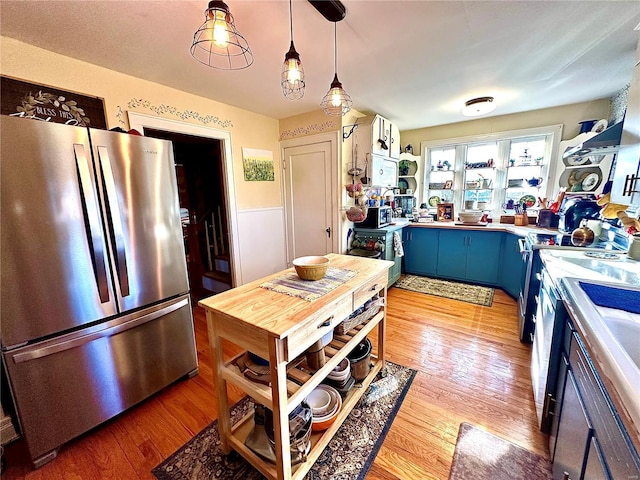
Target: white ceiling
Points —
{"points": [[414, 62]]}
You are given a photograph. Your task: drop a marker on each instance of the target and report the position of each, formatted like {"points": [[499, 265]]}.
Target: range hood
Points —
{"points": [[606, 142]]}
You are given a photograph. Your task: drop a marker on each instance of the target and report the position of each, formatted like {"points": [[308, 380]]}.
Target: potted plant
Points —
{"points": [[404, 167]]}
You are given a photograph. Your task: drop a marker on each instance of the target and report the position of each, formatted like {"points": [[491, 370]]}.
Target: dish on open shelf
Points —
{"points": [[528, 200]]}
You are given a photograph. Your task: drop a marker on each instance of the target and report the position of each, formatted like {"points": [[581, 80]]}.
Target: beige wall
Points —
{"points": [[568, 115], [123, 92]]}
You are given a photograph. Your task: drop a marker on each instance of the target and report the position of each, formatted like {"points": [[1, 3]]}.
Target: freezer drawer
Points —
{"points": [[64, 387]]}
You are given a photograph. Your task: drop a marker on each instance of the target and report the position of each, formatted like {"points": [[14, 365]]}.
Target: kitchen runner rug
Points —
{"points": [[483, 456], [348, 456], [291, 284], [444, 288]]}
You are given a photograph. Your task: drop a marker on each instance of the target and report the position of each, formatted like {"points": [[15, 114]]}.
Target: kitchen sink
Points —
{"points": [[626, 331], [613, 334]]}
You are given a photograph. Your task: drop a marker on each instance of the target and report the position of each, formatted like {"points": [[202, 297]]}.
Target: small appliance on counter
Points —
{"points": [[377, 217], [576, 208]]}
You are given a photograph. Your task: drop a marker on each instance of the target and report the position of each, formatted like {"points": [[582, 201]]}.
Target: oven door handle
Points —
{"points": [[523, 246]]}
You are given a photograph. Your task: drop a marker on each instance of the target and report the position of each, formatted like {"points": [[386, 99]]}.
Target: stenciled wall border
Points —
{"points": [[308, 130], [163, 109]]}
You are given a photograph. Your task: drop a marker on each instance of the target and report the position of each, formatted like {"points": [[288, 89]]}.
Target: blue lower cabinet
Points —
{"points": [[421, 250], [483, 256], [512, 268], [452, 254], [469, 255]]}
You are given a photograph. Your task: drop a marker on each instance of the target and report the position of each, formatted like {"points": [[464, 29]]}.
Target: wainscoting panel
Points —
{"points": [[262, 238]]}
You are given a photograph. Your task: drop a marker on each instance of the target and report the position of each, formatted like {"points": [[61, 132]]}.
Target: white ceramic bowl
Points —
{"points": [[322, 422], [320, 401], [341, 372], [470, 216]]}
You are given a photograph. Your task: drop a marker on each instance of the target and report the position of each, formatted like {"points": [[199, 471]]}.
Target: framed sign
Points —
{"points": [[445, 212], [40, 102]]}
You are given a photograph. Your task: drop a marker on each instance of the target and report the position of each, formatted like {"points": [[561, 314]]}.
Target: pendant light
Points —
{"points": [[217, 43], [336, 102], [292, 77]]}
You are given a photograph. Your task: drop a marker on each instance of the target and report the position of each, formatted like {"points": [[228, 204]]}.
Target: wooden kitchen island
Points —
{"points": [[279, 327]]}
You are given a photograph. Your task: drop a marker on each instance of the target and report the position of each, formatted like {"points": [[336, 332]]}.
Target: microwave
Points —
{"points": [[377, 217]]}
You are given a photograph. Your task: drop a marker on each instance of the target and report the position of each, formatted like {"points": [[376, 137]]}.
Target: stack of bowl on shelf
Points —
{"points": [[325, 402], [340, 377]]}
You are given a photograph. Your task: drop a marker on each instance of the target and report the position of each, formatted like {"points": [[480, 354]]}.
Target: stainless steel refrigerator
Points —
{"points": [[95, 313]]}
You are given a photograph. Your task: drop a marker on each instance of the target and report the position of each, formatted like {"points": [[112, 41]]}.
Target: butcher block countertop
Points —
{"points": [[261, 313]]}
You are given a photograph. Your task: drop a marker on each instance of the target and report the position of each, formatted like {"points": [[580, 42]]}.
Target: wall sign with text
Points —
{"points": [[40, 102]]}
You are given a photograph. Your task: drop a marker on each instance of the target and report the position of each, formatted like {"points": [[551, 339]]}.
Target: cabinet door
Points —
{"points": [[377, 134], [452, 254], [574, 434], [421, 250], [627, 164], [512, 268], [483, 256], [390, 254], [394, 146], [384, 172]]}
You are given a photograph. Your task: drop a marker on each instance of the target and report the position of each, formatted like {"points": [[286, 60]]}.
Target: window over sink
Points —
{"points": [[486, 172]]}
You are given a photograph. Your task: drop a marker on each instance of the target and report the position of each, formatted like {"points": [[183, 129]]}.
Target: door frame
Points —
{"points": [[335, 189], [139, 121]]}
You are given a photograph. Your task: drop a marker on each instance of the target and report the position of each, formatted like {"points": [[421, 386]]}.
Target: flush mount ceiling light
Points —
{"points": [[336, 102], [478, 106], [217, 43], [292, 77]]}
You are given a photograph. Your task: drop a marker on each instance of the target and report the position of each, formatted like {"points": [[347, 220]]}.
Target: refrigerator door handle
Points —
{"points": [[116, 221], [105, 331], [94, 230]]}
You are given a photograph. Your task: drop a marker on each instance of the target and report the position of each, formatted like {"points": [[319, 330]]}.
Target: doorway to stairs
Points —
{"points": [[203, 207]]}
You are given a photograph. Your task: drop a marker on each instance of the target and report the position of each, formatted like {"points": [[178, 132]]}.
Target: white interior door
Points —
{"points": [[308, 179]]}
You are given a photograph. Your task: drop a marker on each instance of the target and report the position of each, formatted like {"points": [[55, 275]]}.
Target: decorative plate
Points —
{"points": [[576, 161], [600, 126], [403, 184], [590, 182], [528, 200], [434, 201], [603, 255]]}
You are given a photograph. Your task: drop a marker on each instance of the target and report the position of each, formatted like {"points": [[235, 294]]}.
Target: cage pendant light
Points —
{"points": [[336, 102], [292, 77], [217, 43]]}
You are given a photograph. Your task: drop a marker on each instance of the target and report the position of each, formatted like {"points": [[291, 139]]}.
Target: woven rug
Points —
{"points": [[445, 288], [483, 456], [291, 284], [348, 456]]}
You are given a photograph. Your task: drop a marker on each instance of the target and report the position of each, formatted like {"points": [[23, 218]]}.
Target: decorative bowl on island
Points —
{"points": [[313, 267]]}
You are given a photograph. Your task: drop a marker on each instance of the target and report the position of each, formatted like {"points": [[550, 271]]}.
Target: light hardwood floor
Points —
{"points": [[471, 368]]}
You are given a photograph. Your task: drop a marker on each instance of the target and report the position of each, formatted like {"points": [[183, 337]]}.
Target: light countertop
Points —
{"points": [[494, 227], [612, 336]]}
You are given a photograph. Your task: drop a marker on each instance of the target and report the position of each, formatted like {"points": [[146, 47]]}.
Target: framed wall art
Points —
{"points": [[257, 165], [445, 212], [49, 104]]}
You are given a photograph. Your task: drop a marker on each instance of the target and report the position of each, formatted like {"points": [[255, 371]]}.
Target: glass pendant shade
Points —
{"points": [[336, 102], [217, 43], [292, 77]]}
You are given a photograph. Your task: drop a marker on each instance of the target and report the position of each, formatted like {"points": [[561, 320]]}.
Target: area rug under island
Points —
{"points": [[348, 456]]}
